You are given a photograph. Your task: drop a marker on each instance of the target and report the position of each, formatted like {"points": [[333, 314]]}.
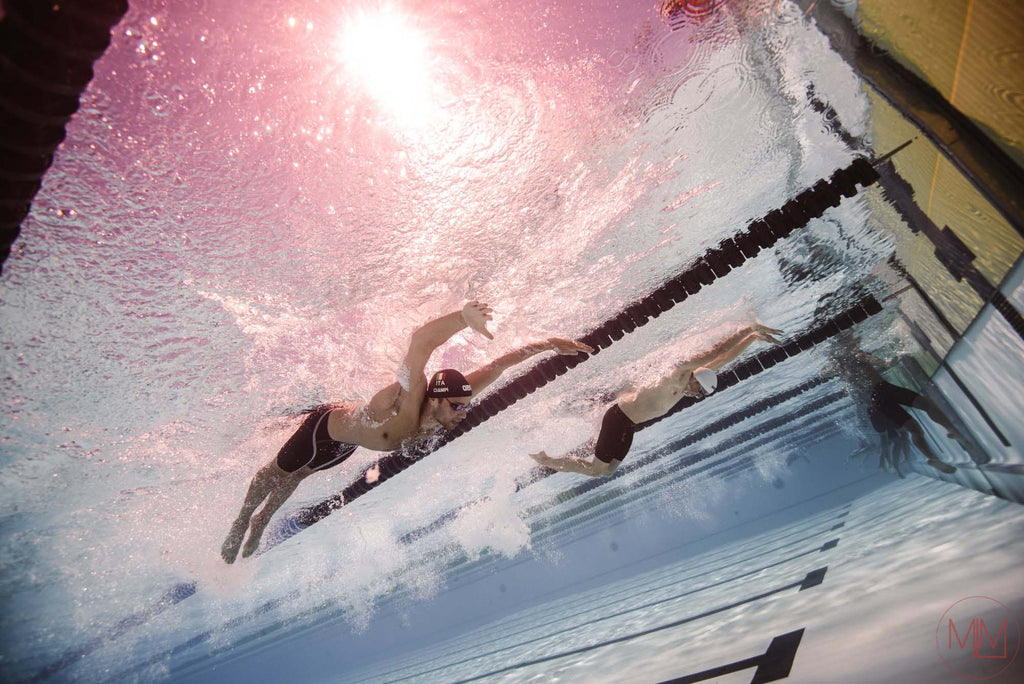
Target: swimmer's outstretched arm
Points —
{"points": [[484, 376], [433, 334], [425, 340], [732, 346]]}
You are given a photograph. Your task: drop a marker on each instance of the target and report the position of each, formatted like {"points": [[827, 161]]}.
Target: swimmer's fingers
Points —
{"points": [[485, 308], [569, 347], [767, 334], [476, 316], [480, 307]]}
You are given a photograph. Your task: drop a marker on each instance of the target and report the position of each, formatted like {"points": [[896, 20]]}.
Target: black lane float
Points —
{"points": [[47, 50]]}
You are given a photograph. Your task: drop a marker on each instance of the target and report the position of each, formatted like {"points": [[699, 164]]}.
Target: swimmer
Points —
{"points": [[411, 408], [884, 404], [694, 377]]}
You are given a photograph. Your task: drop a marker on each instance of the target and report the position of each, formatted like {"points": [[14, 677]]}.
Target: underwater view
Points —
{"points": [[399, 340]]}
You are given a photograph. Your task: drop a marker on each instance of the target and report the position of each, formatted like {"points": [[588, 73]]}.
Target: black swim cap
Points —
{"points": [[448, 383]]}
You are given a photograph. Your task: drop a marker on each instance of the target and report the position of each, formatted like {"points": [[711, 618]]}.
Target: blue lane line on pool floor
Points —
{"points": [[562, 618], [812, 576], [772, 665], [812, 579]]}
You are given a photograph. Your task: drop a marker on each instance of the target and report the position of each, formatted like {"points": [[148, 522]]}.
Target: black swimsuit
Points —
{"points": [[886, 408], [312, 446], [616, 436]]}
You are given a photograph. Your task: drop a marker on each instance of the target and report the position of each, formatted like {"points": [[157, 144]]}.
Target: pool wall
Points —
{"points": [[945, 74]]}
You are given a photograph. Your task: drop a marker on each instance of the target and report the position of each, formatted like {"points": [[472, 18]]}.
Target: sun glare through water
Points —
{"points": [[390, 55]]}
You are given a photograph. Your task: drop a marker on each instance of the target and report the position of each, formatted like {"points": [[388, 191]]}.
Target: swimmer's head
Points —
{"points": [[448, 384], [448, 394], [707, 379]]}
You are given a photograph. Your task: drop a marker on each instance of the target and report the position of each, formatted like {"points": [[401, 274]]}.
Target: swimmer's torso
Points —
{"points": [[380, 425], [656, 400]]}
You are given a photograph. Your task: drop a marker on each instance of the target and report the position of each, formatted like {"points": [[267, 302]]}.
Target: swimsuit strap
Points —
{"points": [[344, 449]]}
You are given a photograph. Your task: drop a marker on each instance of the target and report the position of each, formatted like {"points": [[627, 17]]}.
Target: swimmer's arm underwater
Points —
{"points": [[425, 339], [484, 376], [433, 334], [732, 346], [875, 361]]}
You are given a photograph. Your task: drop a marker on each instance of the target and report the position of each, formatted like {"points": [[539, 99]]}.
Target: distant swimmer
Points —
{"points": [[885, 405], [408, 408], [694, 377]]}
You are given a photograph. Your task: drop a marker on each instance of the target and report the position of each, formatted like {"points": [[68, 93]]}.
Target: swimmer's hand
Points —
{"points": [[767, 334], [568, 347], [476, 315]]}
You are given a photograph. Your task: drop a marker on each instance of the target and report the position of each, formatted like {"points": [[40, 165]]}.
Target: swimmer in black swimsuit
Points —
{"points": [[408, 408], [692, 377], [886, 406]]}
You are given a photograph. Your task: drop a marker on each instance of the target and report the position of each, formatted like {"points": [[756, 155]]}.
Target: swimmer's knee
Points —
{"points": [[268, 475], [275, 470]]}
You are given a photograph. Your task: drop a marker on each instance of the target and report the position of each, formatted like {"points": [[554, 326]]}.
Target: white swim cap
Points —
{"points": [[706, 378]]}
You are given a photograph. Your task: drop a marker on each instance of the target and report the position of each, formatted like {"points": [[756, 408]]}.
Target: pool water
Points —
{"points": [[255, 207]]}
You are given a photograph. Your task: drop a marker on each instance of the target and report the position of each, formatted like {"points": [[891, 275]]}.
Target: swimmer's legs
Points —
{"points": [[935, 413], [573, 462], [884, 450], [900, 451], [262, 484], [917, 436], [284, 489]]}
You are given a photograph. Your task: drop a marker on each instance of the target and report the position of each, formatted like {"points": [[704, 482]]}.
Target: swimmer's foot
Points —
{"points": [[979, 457], [941, 466], [229, 550], [541, 457], [959, 439], [251, 544], [255, 535]]}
